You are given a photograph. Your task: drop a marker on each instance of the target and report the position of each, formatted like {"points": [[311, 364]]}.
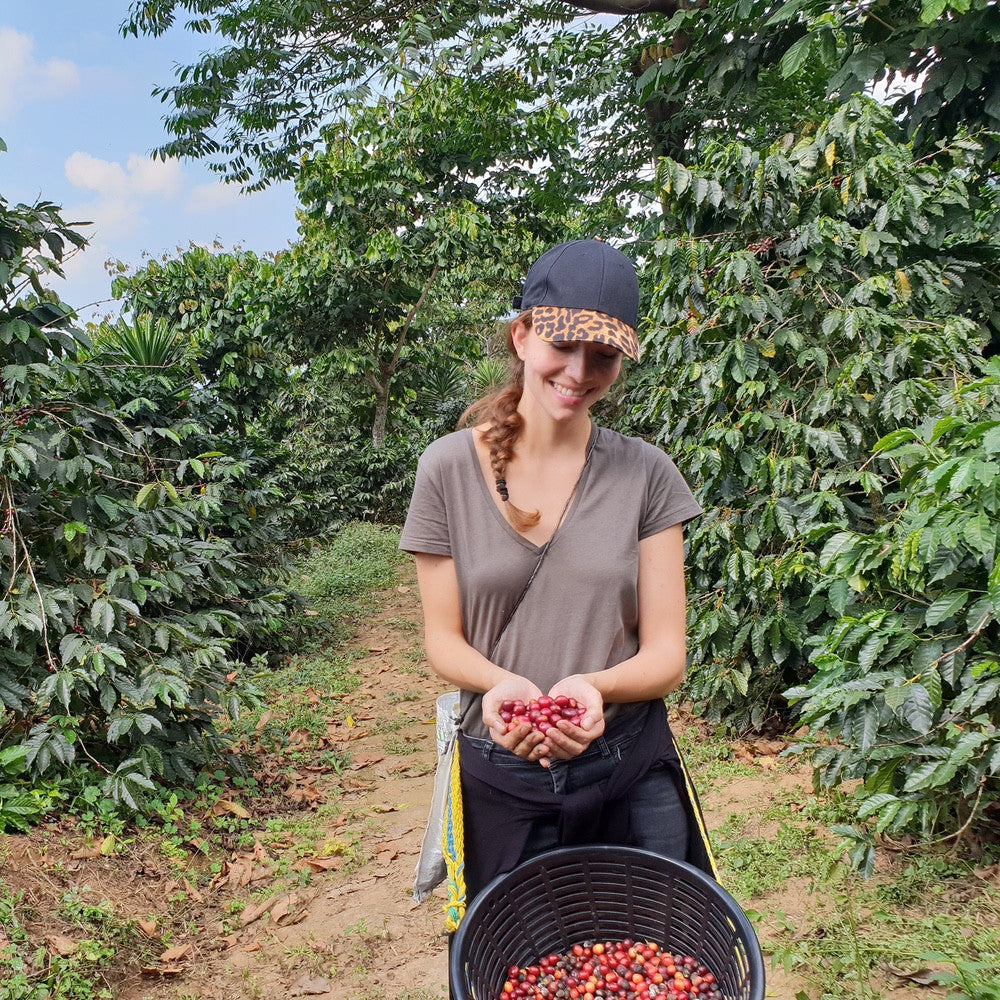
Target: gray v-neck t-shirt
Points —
{"points": [[581, 612]]}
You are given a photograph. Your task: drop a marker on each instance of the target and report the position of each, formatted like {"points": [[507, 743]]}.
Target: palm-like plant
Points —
{"points": [[141, 341]]}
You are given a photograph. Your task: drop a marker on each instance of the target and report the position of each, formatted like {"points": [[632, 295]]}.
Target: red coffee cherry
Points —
{"points": [[541, 713], [622, 970]]}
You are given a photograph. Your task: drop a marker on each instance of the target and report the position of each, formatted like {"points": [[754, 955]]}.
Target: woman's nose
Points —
{"points": [[576, 362]]}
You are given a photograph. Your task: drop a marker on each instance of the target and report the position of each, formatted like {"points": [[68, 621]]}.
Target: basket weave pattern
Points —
{"points": [[603, 893]]}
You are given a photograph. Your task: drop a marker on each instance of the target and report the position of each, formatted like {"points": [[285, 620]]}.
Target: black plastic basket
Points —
{"points": [[603, 893]]}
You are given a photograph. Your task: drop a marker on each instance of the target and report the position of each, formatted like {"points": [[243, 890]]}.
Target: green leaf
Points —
{"points": [[894, 439], [875, 803], [796, 57], [147, 496], [929, 775], [918, 708], [72, 529], [931, 10], [945, 607]]}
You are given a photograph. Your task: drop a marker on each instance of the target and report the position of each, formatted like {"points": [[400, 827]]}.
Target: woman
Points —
{"points": [[549, 557]]}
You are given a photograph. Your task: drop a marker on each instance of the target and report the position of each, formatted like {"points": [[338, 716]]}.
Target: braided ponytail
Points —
{"points": [[504, 424]]}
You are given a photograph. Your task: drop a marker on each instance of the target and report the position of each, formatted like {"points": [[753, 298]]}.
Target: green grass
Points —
{"points": [[922, 909], [33, 973], [336, 582]]}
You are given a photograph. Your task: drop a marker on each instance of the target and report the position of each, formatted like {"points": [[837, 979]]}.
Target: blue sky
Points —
{"points": [[79, 123]]}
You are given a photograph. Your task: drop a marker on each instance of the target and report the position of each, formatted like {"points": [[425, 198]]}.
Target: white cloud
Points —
{"points": [[25, 81], [154, 177], [110, 218], [124, 194], [141, 177], [212, 197], [87, 172]]}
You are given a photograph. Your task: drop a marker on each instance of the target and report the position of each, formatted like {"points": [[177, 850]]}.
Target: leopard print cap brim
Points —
{"points": [[559, 324]]}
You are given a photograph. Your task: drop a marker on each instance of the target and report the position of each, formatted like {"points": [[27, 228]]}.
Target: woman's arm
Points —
{"points": [[453, 658], [658, 667]]}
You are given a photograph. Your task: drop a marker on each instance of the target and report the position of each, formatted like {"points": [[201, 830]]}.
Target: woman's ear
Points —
{"points": [[519, 333]]}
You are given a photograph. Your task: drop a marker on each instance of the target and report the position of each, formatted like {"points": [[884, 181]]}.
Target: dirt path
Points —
{"points": [[349, 931], [361, 935]]}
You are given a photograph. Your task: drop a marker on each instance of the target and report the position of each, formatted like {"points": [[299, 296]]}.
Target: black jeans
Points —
{"points": [[658, 819]]}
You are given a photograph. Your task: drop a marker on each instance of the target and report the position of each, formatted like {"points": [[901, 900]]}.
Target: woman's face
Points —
{"points": [[564, 379]]}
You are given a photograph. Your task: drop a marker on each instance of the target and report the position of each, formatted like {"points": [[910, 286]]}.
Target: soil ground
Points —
{"points": [[350, 929]]}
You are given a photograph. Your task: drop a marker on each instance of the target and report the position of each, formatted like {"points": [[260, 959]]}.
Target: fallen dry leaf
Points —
{"points": [[162, 970], [309, 986], [148, 927], [922, 977], [282, 908], [255, 911], [236, 873], [360, 760], [176, 953], [304, 794], [192, 891], [82, 853], [289, 919], [61, 945], [224, 806], [320, 864]]}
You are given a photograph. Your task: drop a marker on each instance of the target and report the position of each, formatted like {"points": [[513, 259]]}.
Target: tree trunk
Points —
{"points": [[381, 420]]}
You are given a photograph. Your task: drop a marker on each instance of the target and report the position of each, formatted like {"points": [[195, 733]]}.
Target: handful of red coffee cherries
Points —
{"points": [[541, 713]]}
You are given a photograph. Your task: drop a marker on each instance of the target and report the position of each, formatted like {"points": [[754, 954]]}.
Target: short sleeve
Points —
{"points": [[669, 499], [426, 526]]}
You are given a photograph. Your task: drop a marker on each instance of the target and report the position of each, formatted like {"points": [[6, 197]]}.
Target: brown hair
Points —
{"points": [[498, 411]]}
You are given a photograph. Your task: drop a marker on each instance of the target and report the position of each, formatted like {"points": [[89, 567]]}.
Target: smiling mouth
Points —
{"points": [[568, 393]]}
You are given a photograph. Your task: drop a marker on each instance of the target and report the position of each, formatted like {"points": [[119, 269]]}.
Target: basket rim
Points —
{"points": [[745, 929]]}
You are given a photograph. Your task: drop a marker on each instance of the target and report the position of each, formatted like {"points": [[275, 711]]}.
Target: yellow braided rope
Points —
{"points": [[453, 846], [699, 818]]}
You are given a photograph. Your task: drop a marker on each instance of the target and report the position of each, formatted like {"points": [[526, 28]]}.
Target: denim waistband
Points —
{"points": [[615, 742]]}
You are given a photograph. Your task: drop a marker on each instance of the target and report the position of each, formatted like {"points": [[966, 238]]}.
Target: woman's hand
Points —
{"points": [[566, 740], [523, 741]]}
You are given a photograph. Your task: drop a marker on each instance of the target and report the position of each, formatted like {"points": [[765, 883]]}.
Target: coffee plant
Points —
{"points": [[908, 677], [132, 532], [820, 313], [810, 299]]}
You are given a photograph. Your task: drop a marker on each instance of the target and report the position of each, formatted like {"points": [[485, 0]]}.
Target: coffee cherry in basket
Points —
{"points": [[614, 970], [541, 713]]}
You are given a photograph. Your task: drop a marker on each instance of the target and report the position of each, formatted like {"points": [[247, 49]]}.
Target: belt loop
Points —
{"points": [[488, 746], [602, 745]]}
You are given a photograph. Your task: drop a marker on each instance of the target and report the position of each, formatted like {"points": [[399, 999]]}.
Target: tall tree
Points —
{"points": [[418, 203], [649, 81]]}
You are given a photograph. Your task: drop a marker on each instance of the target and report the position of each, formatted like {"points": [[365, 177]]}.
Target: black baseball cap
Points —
{"points": [[584, 290]]}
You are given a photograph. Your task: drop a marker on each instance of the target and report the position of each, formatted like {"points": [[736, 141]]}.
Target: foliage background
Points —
{"points": [[819, 279]]}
